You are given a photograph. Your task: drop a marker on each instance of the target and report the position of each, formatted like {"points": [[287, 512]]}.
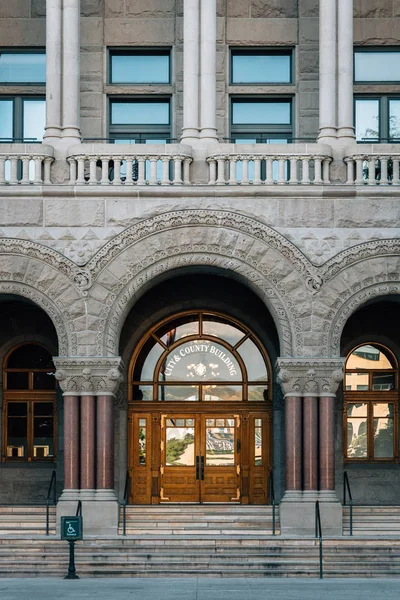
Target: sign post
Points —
{"points": [[71, 531]]}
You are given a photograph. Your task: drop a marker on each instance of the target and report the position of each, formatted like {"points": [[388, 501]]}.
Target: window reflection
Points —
{"points": [[367, 119], [180, 443], [220, 442]]}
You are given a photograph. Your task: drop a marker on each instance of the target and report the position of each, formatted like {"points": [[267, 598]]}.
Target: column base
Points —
{"points": [[298, 519], [292, 496], [87, 495], [99, 518], [105, 496], [310, 495]]}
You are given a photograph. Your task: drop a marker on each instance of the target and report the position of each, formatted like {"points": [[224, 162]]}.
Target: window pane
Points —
{"points": [[357, 382], [22, 67], [18, 381], [34, 119], [394, 118], [142, 392], [260, 68], [180, 331], [258, 393], [226, 332], [257, 443], [357, 410], [263, 113], [220, 446], [200, 360], [6, 119], [169, 393], [17, 409], [179, 449], [140, 68], [383, 381], [30, 356], [151, 361], [383, 430], [377, 66], [44, 381], [43, 437], [367, 119], [140, 113], [370, 357], [357, 438], [255, 365], [142, 442], [17, 423], [223, 392]]}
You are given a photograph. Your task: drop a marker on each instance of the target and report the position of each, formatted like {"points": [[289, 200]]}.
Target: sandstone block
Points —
{"points": [[21, 212], [308, 31], [71, 212], [305, 212], [261, 31], [92, 31], [157, 32], [380, 32], [370, 8], [308, 8], [367, 212], [14, 8], [273, 8], [23, 32], [147, 9], [238, 8], [91, 8], [396, 8], [38, 8], [114, 8]]}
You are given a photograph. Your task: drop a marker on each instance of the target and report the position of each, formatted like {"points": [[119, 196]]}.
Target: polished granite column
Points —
{"points": [[327, 443], [71, 443], [105, 447], [293, 447], [88, 422], [310, 447]]}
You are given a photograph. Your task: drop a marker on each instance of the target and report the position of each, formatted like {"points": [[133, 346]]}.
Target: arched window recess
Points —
{"points": [[200, 356]]}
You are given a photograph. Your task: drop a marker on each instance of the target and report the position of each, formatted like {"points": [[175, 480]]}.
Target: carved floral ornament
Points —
{"points": [[89, 376], [314, 377]]}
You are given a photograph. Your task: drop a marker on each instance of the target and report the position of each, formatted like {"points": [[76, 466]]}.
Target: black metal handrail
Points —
{"points": [[272, 500], [52, 493], [318, 535], [79, 509], [125, 502], [347, 490]]}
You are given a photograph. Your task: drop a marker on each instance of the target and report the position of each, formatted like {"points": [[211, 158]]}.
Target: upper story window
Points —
{"points": [[29, 404], [140, 120], [261, 120], [22, 67], [258, 66], [377, 111], [200, 356], [137, 67], [371, 404]]}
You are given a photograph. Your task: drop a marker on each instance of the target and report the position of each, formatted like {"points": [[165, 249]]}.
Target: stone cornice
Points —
{"points": [[310, 376], [89, 375]]}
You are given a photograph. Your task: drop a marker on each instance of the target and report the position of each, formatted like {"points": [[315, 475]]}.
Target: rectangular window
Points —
{"points": [[370, 430], [142, 442], [261, 66], [140, 121], [261, 120], [22, 67], [22, 118], [30, 429], [377, 119], [372, 66], [140, 67]]}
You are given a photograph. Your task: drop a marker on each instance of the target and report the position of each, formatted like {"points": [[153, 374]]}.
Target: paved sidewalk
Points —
{"points": [[200, 589]]}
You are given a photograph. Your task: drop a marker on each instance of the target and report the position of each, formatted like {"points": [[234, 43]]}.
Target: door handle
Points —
{"points": [[202, 468], [197, 467]]}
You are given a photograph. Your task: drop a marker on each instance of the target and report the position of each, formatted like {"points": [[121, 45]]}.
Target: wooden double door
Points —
{"points": [[178, 457]]}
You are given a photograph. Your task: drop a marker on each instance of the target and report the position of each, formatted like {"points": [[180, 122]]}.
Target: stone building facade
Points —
{"points": [[114, 225]]}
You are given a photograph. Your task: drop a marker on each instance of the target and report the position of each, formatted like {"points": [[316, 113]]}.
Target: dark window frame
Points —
{"points": [[262, 131], [133, 131], [257, 51], [369, 49], [18, 116], [384, 112]]}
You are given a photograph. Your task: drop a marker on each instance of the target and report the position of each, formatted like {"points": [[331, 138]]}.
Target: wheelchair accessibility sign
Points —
{"points": [[71, 528]]}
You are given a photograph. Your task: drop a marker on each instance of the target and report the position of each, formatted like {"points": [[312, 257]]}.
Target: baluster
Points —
{"points": [[47, 166], [221, 171], [177, 171], [245, 171], [25, 171], [38, 172], [72, 171], [359, 170], [281, 171], [293, 172], [153, 171], [104, 171], [186, 171], [117, 170], [232, 171], [129, 170], [141, 170], [305, 162], [396, 171], [317, 170], [81, 171], [213, 171], [371, 171], [257, 171], [325, 171], [350, 171], [2, 171], [92, 170], [268, 177], [165, 171], [13, 170], [384, 171]]}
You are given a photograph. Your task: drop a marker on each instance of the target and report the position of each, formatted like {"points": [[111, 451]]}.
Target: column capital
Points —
{"points": [[89, 375], [308, 376]]}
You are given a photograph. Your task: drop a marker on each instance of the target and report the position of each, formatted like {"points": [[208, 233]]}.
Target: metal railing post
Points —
{"points": [[347, 491], [52, 488], [318, 534], [272, 501]]}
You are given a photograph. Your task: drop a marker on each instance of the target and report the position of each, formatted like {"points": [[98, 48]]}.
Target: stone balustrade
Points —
{"points": [[128, 164], [373, 164], [269, 164], [25, 164]]}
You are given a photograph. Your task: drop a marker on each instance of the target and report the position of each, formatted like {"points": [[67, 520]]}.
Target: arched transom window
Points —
{"points": [[200, 356], [371, 404]]}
